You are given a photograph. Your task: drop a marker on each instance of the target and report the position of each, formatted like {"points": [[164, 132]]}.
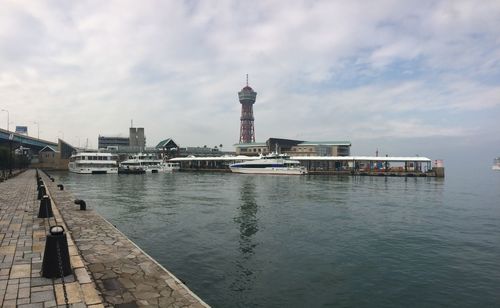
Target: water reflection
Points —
{"points": [[248, 224]]}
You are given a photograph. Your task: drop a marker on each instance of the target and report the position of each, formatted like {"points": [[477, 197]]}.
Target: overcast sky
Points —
{"points": [[406, 77]]}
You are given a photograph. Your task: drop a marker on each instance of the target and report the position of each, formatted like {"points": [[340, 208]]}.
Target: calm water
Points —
{"points": [[313, 241]]}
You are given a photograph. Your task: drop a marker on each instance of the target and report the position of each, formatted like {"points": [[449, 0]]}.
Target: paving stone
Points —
{"points": [[43, 296], [18, 271], [109, 270]]}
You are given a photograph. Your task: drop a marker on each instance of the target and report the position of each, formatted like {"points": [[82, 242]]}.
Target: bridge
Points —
{"points": [[34, 144]]}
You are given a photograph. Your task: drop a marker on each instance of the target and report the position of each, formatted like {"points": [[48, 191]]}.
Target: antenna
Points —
{"points": [[131, 123], [247, 80]]}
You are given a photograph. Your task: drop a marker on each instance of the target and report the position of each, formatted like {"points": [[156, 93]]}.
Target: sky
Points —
{"points": [[405, 77]]}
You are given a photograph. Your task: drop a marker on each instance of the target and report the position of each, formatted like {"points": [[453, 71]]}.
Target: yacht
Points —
{"points": [[270, 164], [93, 163], [496, 164], [170, 166], [147, 162]]}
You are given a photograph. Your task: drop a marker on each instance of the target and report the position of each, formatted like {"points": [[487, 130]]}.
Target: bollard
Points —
{"points": [[41, 192], [61, 186], [45, 210], [56, 263], [83, 205]]}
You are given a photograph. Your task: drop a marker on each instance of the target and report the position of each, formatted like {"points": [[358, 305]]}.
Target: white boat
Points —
{"points": [[270, 164], [147, 162], [496, 164], [93, 163], [170, 166]]}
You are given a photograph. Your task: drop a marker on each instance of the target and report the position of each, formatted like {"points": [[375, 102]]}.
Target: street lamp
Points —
{"points": [[38, 128], [8, 117]]}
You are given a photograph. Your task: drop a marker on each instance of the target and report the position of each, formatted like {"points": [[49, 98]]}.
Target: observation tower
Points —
{"points": [[247, 98]]}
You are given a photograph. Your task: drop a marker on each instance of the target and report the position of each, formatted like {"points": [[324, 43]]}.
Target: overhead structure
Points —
{"points": [[247, 98]]}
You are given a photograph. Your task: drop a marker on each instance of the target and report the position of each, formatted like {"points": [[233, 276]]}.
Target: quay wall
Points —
{"points": [[123, 273]]}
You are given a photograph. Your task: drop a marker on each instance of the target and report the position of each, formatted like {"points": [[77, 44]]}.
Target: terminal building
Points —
{"points": [[295, 147]]}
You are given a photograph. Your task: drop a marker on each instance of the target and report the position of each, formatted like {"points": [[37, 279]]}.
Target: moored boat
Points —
{"points": [[93, 163], [270, 164], [496, 164]]}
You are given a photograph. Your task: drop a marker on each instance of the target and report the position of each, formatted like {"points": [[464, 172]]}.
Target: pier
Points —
{"points": [[334, 165], [107, 269]]}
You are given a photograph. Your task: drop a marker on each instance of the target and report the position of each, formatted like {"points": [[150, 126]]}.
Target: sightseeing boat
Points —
{"points": [[496, 164], [269, 164], [147, 162], [93, 163]]}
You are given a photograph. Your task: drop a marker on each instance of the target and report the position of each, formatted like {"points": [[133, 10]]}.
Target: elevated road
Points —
{"points": [[22, 140]]}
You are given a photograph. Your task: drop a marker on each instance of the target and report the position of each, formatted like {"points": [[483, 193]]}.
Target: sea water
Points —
{"points": [[312, 241]]}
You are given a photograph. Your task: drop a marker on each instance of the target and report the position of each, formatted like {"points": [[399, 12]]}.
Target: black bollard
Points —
{"points": [[41, 192], [56, 262], [45, 210], [61, 186], [83, 205]]}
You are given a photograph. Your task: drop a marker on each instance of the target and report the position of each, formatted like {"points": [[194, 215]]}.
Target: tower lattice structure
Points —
{"points": [[247, 98]]}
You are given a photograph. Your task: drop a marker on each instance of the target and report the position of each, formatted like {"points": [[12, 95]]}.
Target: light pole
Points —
{"points": [[8, 117], [38, 128]]}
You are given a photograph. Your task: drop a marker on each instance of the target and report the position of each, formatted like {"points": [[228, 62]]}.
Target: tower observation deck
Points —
{"points": [[247, 98]]}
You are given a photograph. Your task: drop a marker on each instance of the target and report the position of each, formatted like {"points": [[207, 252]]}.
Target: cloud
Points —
{"points": [[322, 69]]}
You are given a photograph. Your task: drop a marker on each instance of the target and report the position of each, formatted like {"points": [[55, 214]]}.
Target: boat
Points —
{"points": [[496, 164], [93, 163], [270, 164], [147, 162], [170, 166], [131, 170]]}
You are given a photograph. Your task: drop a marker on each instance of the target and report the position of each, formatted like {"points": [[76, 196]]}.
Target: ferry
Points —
{"points": [[147, 162], [496, 164], [93, 163], [269, 164]]}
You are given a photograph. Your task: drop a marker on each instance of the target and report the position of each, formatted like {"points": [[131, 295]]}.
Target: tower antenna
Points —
{"points": [[247, 80]]}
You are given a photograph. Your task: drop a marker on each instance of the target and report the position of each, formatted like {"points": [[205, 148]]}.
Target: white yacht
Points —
{"points": [[147, 162], [496, 164], [93, 163], [170, 166], [270, 164]]}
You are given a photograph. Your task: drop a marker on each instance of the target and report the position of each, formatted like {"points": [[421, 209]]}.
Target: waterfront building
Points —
{"points": [[104, 142], [295, 147], [247, 98], [136, 137]]}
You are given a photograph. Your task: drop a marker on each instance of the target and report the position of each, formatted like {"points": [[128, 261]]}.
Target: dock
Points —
{"points": [[107, 269], [330, 165]]}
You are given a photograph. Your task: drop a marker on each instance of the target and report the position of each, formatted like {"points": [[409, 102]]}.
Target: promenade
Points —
{"points": [[108, 269]]}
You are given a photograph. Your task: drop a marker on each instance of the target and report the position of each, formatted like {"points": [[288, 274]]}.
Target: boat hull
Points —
{"points": [[93, 170], [270, 170]]}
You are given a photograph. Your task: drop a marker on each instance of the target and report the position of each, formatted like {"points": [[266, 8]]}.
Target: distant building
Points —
{"points": [[105, 141], [23, 130], [295, 147], [136, 137]]}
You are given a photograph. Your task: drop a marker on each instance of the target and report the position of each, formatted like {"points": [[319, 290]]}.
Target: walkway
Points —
{"points": [[109, 270]]}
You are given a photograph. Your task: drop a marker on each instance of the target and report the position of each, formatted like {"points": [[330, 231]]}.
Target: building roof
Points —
{"points": [[165, 142], [313, 158], [250, 145], [48, 148], [325, 143]]}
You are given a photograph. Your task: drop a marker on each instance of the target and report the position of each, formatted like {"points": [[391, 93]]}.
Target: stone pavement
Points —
{"points": [[124, 274], [22, 238], [109, 270]]}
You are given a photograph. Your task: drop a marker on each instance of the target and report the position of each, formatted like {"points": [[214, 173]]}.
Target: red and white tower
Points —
{"points": [[247, 98]]}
